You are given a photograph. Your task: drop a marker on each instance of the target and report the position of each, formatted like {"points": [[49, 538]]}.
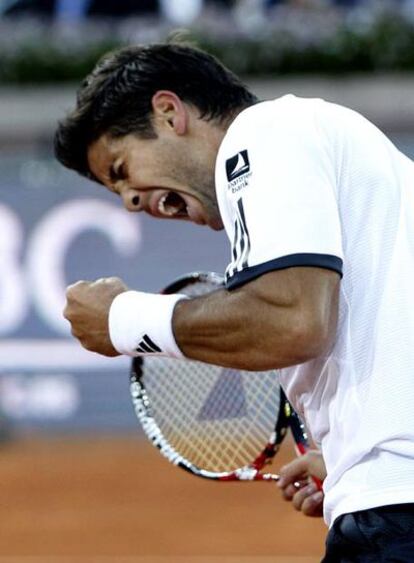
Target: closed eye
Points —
{"points": [[117, 172]]}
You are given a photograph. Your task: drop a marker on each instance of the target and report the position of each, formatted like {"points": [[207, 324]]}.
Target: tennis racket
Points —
{"points": [[217, 423]]}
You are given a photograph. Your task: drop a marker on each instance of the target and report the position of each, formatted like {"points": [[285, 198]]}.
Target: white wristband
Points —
{"points": [[141, 323]]}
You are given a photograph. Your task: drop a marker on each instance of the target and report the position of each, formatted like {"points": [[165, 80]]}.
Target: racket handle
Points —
{"points": [[318, 483]]}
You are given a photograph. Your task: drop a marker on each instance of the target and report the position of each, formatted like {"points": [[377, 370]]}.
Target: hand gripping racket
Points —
{"points": [[217, 423]]}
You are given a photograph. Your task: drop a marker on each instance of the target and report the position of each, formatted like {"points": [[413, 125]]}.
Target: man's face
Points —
{"points": [[168, 177]]}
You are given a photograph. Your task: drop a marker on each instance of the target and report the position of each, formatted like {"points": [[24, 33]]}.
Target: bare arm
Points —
{"points": [[282, 318]]}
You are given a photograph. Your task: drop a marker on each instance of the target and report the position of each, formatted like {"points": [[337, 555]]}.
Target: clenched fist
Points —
{"points": [[87, 310]]}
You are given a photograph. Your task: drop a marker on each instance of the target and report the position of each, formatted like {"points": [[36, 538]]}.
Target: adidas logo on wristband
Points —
{"points": [[134, 315], [147, 346]]}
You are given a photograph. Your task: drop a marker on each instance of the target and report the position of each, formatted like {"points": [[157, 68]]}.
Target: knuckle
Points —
{"points": [[77, 284], [114, 279], [69, 312], [297, 501], [74, 288], [108, 280], [307, 509], [69, 292], [290, 492], [311, 507], [297, 506]]}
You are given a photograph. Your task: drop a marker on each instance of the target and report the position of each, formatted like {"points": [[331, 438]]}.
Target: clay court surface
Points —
{"points": [[115, 500]]}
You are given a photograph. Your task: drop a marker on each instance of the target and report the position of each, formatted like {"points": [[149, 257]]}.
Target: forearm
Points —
{"points": [[239, 330], [282, 318]]}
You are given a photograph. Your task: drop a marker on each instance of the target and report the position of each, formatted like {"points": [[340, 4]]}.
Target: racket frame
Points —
{"points": [[249, 472], [287, 418]]}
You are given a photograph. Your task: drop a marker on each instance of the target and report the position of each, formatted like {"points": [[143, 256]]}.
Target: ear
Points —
{"points": [[169, 111]]}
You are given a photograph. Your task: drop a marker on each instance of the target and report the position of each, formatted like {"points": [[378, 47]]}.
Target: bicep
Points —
{"points": [[279, 319], [306, 296]]}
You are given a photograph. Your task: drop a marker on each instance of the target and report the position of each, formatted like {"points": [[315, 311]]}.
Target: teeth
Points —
{"points": [[170, 209], [166, 210]]}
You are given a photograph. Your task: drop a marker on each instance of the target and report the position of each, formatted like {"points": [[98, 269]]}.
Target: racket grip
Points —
{"points": [[318, 483]]}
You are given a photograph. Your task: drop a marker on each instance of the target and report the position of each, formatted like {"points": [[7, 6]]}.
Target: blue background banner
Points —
{"points": [[57, 228]]}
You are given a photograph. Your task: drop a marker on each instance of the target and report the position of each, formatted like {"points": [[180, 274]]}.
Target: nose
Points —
{"points": [[132, 200]]}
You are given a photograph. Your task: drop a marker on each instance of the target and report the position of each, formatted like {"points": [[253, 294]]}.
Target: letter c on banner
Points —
{"points": [[51, 240]]}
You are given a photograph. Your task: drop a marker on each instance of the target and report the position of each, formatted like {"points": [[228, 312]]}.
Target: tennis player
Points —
{"points": [[318, 206]]}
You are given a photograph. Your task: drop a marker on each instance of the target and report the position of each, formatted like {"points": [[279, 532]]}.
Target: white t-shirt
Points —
{"points": [[304, 182]]}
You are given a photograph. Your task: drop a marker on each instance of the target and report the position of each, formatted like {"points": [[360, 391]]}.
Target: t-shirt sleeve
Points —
{"points": [[276, 185]]}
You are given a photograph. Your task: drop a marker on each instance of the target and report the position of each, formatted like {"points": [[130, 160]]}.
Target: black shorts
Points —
{"points": [[377, 535]]}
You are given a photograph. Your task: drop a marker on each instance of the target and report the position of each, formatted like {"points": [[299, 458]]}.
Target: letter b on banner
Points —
{"points": [[39, 277]]}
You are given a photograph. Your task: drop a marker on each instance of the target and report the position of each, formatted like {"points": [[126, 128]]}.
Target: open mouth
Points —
{"points": [[172, 205]]}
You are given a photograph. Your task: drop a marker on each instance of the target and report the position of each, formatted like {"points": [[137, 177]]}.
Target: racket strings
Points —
{"points": [[247, 431], [218, 419]]}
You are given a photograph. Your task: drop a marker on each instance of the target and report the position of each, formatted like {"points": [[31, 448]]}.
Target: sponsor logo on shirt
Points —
{"points": [[238, 171]]}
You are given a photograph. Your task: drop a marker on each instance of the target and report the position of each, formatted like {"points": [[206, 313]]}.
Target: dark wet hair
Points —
{"points": [[116, 96]]}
